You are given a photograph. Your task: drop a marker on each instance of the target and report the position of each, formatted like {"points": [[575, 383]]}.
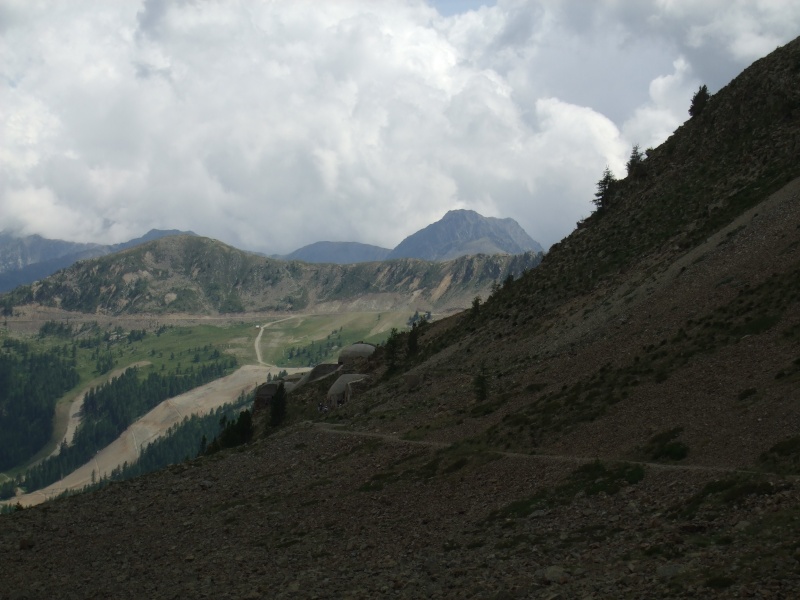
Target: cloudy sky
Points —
{"points": [[273, 124]]}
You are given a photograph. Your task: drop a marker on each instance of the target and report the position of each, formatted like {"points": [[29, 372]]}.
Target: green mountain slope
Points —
{"points": [[200, 275]]}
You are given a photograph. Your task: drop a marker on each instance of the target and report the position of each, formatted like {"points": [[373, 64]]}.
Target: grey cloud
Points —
{"points": [[147, 71], [275, 125], [151, 16], [520, 26]]}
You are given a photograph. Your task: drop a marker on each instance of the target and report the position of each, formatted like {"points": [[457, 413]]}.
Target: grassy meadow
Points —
{"points": [[306, 340]]}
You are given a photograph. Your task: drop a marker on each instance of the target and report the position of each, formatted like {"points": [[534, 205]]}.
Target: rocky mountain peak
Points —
{"points": [[462, 232]]}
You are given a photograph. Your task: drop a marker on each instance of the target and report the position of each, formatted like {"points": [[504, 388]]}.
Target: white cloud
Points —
{"points": [[654, 121], [747, 29], [273, 125], [39, 206]]}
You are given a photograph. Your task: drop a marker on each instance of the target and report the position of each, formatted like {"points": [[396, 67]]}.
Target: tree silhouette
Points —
{"points": [[476, 306], [413, 339], [604, 187], [635, 164], [699, 101]]}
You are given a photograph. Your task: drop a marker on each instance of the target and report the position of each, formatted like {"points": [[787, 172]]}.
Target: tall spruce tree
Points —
{"points": [[604, 187], [635, 164]]}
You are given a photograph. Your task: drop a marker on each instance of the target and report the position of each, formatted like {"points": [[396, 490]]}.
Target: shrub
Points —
{"points": [[481, 384], [664, 446]]}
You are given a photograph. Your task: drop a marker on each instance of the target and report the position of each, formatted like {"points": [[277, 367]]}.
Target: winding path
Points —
{"points": [[560, 458], [257, 343]]}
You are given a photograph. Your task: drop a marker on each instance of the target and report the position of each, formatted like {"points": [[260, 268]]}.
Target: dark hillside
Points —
{"points": [[683, 294], [742, 147], [621, 422]]}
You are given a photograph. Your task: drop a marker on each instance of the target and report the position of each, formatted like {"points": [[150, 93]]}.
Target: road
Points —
{"points": [[257, 343], [559, 458]]}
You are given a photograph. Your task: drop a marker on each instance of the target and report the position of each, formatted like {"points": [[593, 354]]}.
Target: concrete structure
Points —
{"points": [[321, 371], [356, 351], [342, 391], [266, 391]]}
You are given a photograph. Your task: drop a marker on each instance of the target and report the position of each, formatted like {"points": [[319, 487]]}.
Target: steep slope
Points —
{"points": [[464, 232], [661, 337], [674, 309], [340, 253], [194, 274]]}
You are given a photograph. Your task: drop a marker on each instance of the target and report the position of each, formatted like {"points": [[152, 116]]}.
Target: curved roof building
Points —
{"points": [[357, 350]]}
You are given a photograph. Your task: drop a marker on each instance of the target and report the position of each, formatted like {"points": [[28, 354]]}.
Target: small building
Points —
{"points": [[266, 391], [321, 371], [342, 389]]}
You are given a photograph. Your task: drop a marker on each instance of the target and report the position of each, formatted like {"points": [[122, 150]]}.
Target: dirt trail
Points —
{"points": [[560, 458], [257, 343]]}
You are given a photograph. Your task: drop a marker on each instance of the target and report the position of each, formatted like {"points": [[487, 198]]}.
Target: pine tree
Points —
{"points": [[413, 339], [699, 101], [604, 189], [635, 164], [392, 348], [476, 306]]}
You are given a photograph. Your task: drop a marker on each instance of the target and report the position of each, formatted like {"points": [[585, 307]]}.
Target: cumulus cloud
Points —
{"points": [[653, 121], [273, 125]]}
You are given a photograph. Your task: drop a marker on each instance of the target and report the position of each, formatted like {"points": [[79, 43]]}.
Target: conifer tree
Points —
{"points": [[699, 101], [635, 164], [604, 188]]}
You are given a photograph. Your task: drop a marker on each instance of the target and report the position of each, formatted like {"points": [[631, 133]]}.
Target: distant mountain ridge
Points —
{"points": [[33, 257], [24, 260], [458, 233], [19, 252], [192, 274], [340, 253]]}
